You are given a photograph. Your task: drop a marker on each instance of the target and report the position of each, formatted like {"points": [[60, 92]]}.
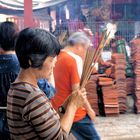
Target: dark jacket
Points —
{"points": [[9, 69]]}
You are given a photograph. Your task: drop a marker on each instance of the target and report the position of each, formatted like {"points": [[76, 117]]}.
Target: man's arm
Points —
{"points": [[90, 111]]}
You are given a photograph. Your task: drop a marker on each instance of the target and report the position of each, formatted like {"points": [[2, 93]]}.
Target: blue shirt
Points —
{"points": [[9, 69], [47, 88]]}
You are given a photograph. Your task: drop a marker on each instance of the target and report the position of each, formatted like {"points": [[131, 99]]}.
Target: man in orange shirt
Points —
{"points": [[67, 75]]}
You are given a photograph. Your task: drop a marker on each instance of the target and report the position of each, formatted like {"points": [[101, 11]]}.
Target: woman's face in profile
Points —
{"points": [[47, 68]]}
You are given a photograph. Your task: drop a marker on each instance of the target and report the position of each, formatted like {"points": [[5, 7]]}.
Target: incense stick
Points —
{"points": [[91, 59], [87, 63]]}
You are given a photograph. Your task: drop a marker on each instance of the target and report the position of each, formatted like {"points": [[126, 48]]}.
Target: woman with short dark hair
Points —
{"points": [[30, 114]]}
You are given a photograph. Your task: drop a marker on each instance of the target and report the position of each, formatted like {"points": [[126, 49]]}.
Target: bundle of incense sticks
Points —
{"points": [[92, 56]]}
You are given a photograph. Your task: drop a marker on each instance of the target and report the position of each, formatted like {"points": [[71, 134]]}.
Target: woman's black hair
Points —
{"points": [[35, 45], [8, 34]]}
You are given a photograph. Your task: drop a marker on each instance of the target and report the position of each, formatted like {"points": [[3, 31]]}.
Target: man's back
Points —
{"points": [[9, 68], [67, 73]]}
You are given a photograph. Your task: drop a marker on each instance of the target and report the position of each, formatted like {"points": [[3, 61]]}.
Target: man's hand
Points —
{"points": [[77, 99]]}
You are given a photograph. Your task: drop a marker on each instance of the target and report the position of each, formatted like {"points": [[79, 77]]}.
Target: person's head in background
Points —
{"points": [[8, 34], [62, 33], [82, 18], [78, 43], [36, 50]]}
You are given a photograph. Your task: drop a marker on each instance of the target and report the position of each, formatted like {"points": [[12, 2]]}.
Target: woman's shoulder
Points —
{"points": [[24, 87], [28, 92]]}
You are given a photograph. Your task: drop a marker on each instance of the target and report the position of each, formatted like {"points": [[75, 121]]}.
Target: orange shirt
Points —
{"points": [[66, 74]]}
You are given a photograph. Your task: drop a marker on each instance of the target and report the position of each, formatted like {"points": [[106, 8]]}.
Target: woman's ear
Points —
{"points": [[78, 47]]}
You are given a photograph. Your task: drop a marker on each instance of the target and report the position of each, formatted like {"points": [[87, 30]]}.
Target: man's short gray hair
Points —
{"points": [[78, 38]]}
